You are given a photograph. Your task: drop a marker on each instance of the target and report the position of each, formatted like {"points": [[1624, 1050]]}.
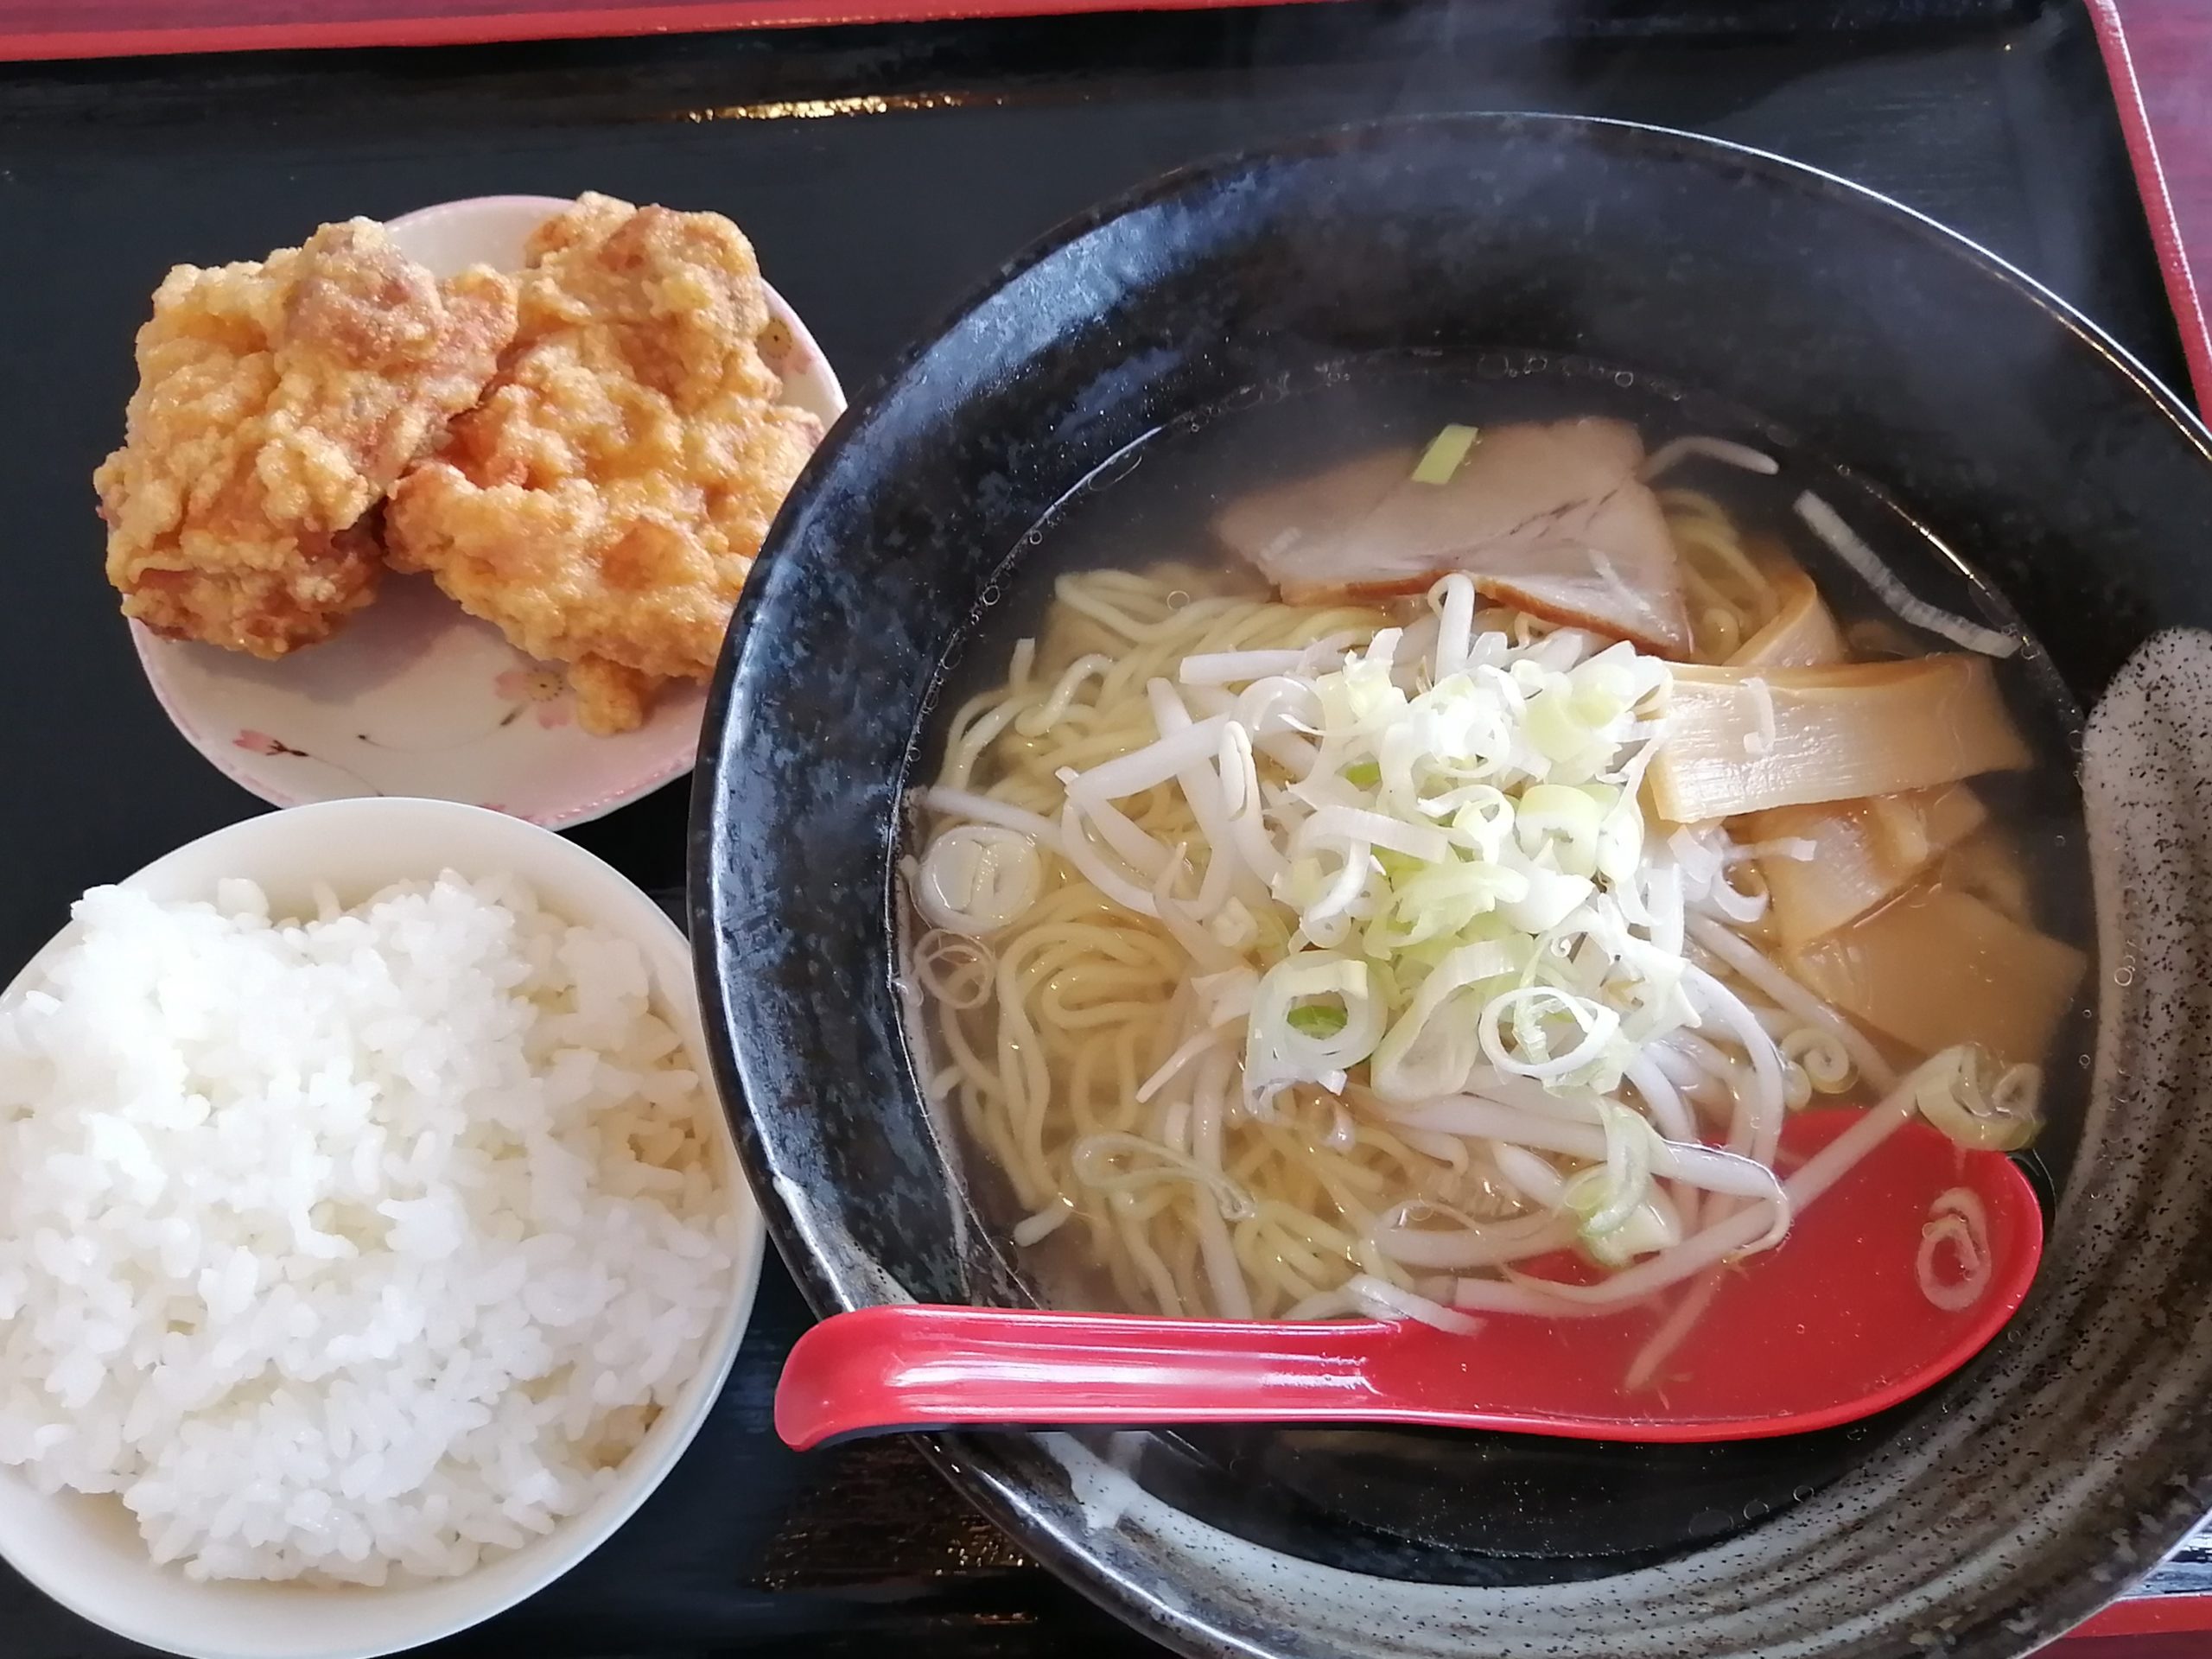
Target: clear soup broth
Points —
{"points": [[1407, 846]]}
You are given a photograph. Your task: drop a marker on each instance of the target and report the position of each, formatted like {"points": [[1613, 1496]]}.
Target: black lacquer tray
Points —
{"points": [[882, 172]]}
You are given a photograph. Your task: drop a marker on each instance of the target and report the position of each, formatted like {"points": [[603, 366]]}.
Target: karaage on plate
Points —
{"points": [[278, 400], [605, 501]]}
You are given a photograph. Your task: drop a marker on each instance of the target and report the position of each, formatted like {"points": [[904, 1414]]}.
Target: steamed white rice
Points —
{"points": [[365, 1244]]}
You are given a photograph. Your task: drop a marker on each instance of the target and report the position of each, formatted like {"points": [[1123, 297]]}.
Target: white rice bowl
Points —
{"points": [[404, 1248]]}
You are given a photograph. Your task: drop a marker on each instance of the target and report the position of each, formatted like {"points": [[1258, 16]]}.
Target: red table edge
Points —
{"points": [[483, 27], [2150, 1615], [2158, 200]]}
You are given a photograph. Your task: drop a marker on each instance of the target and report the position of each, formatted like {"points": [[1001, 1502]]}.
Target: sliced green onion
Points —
{"points": [[1422, 1056], [1445, 452], [1316, 1019], [1568, 819]]}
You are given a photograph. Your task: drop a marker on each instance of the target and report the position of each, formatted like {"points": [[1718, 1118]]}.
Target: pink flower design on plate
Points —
{"points": [[539, 690], [779, 349], [255, 742]]}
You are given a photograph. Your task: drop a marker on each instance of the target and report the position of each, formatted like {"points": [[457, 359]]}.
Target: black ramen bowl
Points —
{"points": [[1981, 1519]]}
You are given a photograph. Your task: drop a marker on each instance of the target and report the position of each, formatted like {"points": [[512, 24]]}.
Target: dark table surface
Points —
{"points": [[883, 173]]}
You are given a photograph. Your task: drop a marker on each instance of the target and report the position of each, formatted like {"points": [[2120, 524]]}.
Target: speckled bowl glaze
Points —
{"points": [[1980, 1520]]}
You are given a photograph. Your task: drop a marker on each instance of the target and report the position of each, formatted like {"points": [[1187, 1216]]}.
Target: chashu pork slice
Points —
{"points": [[1548, 518]]}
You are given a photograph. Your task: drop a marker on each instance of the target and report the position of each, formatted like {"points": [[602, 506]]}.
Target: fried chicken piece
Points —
{"points": [[604, 503], [278, 402]]}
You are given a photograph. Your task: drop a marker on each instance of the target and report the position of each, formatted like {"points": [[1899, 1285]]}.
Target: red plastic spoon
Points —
{"points": [[1832, 1324]]}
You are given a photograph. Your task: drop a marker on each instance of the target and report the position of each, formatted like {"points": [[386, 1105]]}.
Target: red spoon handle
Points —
{"points": [[1833, 1323], [912, 1366]]}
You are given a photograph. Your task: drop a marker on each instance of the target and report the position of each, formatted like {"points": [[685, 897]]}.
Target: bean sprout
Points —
{"points": [[1957, 1218], [1844, 542], [955, 969]]}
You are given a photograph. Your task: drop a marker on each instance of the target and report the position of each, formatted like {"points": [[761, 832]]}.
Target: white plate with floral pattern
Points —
{"points": [[415, 697]]}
